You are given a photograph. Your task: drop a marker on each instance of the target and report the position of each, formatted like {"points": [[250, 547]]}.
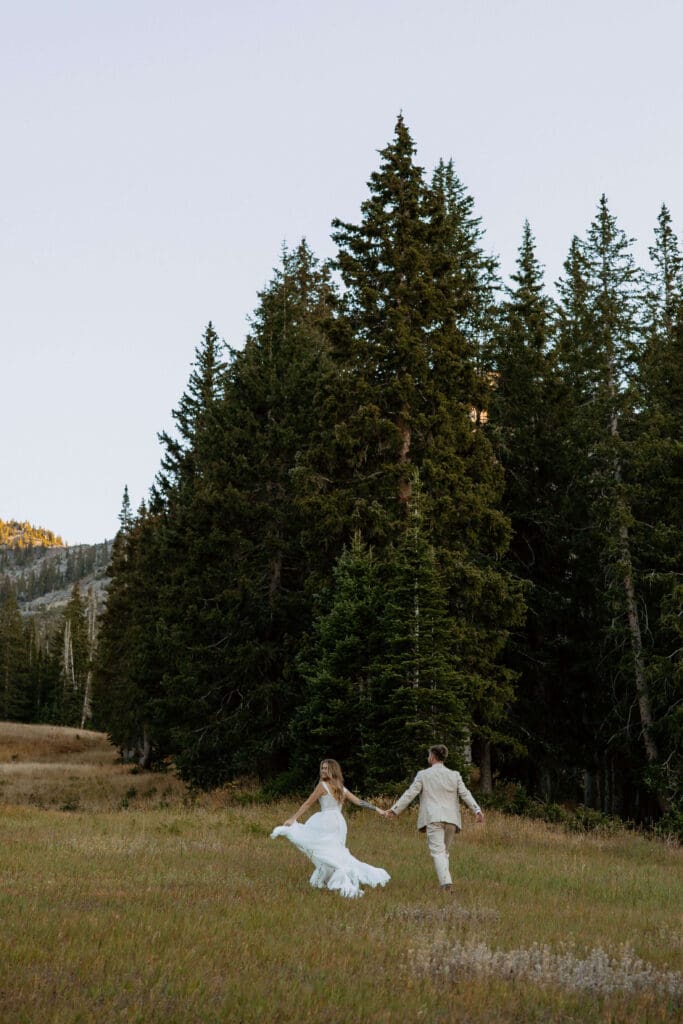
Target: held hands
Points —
{"points": [[479, 816]]}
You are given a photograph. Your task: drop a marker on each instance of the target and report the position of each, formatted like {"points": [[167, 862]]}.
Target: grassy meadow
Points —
{"points": [[123, 899]]}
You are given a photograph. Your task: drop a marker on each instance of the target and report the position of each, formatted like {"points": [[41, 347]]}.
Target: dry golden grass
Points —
{"points": [[53, 744], [51, 766], [157, 909]]}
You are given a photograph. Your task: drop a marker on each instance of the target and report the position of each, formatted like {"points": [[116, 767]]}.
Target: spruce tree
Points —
{"points": [[599, 348], [382, 664], [406, 340], [658, 500], [338, 662], [467, 275], [421, 679], [177, 557], [236, 602], [153, 596], [522, 423], [126, 513], [665, 288], [130, 658], [44, 674], [204, 388], [16, 702]]}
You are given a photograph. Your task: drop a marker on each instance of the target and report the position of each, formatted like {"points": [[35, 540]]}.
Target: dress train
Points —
{"points": [[323, 839]]}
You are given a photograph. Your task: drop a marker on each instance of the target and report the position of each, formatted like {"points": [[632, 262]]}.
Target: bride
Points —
{"points": [[323, 837]]}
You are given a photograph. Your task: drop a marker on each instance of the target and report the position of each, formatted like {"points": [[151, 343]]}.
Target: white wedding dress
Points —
{"points": [[323, 839]]}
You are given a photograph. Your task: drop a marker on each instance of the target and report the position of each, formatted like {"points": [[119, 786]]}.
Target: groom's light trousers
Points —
{"points": [[440, 835]]}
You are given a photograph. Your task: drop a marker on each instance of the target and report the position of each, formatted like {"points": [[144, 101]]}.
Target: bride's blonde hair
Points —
{"points": [[335, 779]]}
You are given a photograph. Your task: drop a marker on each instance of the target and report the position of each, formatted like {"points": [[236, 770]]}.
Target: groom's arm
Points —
{"points": [[466, 797], [407, 798]]}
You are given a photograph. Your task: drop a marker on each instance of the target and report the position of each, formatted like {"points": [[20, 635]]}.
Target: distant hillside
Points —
{"points": [[42, 570], [18, 535]]}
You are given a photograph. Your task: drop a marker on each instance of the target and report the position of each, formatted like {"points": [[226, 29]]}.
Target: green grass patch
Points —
{"points": [[141, 905], [195, 915]]}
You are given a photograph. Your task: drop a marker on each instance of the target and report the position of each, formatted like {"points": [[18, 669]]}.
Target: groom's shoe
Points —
{"points": [[446, 888]]}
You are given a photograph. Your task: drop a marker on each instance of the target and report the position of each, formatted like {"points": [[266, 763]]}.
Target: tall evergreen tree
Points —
{"points": [[43, 671], [15, 697], [130, 658], [665, 288], [406, 343], [599, 349], [236, 602], [467, 274], [523, 425], [421, 684], [338, 664], [126, 513], [382, 664], [204, 389], [658, 500]]}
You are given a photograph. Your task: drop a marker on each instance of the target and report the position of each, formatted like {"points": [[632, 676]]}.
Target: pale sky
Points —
{"points": [[156, 154]]}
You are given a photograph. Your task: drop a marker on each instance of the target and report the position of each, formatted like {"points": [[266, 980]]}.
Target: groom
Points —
{"points": [[439, 789]]}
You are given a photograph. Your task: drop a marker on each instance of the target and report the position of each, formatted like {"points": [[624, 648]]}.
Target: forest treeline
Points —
{"points": [[420, 505], [46, 651]]}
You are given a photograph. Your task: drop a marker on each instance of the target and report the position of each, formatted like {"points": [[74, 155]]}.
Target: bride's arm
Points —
{"points": [[361, 803], [315, 795]]}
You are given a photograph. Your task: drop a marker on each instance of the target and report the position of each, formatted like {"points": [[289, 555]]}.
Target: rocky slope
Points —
{"points": [[42, 570]]}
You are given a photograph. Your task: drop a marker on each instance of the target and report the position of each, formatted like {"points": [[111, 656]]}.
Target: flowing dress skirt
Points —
{"points": [[323, 839]]}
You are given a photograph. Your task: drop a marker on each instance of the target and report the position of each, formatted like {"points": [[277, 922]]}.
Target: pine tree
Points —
{"points": [[235, 604], [163, 562], [338, 663], [406, 340], [382, 666], [599, 349], [126, 513], [149, 601], [665, 287], [467, 276], [15, 696], [43, 673], [204, 388], [421, 679], [130, 658], [523, 425], [658, 500]]}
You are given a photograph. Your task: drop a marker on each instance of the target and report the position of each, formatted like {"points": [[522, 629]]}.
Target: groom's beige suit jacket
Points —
{"points": [[440, 790]]}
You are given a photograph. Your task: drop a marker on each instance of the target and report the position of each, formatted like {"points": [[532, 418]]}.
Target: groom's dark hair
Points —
{"points": [[440, 752]]}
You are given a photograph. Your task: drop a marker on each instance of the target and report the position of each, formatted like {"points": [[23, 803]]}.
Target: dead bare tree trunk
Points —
{"points": [[486, 779], [69, 671], [641, 684], [86, 713], [466, 748], [146, 748], [635, 634]]}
